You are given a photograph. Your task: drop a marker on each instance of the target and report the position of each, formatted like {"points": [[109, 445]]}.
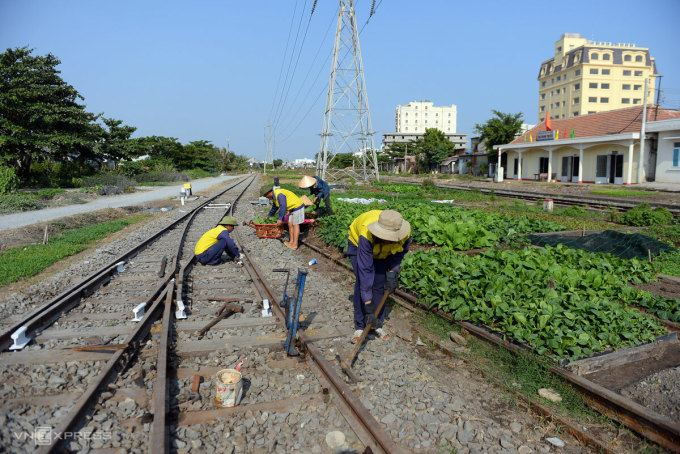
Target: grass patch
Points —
{"points": [[26, 261], [622, 192], [20, 201], [668, 263]]}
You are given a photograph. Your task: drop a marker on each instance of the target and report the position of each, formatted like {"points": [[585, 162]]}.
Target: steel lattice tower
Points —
{"points": [[347, 119]]}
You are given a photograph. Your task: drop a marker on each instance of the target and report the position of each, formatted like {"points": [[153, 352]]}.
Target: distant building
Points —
{"points": [[412, 119], [459, 140], [586, 77]]}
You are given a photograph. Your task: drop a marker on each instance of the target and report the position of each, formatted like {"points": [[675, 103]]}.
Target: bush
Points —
{"points": [[20, 201], [47, 194], [574, 211], [109, 179], [644, 215], [155, 176], [9, 182], [428, 184]]}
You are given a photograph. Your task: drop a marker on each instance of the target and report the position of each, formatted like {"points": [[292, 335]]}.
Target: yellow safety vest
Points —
{"points": [[208, 239], [359, 228], [292, 201]]}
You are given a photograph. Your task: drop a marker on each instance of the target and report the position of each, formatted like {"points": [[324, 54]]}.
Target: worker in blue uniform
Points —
{"points": [[215, 242], [286, 202], [376, 245], [319, 189]]}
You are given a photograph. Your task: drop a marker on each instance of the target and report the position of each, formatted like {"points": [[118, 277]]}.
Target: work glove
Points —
{"points": [[391, 281], [370, 319]]}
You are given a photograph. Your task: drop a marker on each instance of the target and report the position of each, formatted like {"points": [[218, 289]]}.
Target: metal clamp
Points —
{"points": [[20, 339], [139, 312]]}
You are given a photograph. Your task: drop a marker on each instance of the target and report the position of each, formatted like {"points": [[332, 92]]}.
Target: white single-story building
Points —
{"points": [[603, 147]]}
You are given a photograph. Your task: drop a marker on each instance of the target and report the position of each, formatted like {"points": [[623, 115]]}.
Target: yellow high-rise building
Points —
{"points": [[586, 77]]}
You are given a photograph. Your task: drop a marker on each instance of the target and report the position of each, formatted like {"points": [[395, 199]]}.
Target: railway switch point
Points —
{"points": [[20, 339], [139, 312]]}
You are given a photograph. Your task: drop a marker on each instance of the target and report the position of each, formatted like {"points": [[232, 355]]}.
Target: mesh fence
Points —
{"points": [[623, 245]]}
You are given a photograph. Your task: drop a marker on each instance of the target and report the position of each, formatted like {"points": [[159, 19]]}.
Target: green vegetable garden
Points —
{"points": [[567, 303]]}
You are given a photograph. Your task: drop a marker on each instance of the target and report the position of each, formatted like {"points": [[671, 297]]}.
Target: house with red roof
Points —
{"points": [[603, 147]]}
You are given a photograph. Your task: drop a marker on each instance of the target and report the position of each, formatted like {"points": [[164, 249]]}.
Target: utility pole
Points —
{"points": [[268, 141], [347, 118], [641, 164]]}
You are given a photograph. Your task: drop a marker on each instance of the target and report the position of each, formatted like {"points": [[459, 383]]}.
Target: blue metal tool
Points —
{"points": [[292, 306], [286, 298]]}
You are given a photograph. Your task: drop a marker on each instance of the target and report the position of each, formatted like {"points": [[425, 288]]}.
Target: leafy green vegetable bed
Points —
{"points": [[438, 224], [557, 300]]}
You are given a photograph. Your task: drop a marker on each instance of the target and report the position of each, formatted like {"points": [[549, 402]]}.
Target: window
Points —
{"points": [[577, 86], [604, 86], [425, 121], [594, 56], [577, 72], [543, 165], [638, 73], [637, 87], [594, 71], [406, 114], [416, 114], [676, 154], [406, 129], [575, 114], [559, 78], [559, 49], [436, 115], [605, 72], [592, 85], [542, 108], [626, 86], [557, 91], [543, 96], [576, 100], [625, 100], [606, 57], [638, 58], [540, 120], [626, 58], [626, 72], [592, 99], [543, 84], [636, 101], [406, 122], [449, 115], [426, 113], [416, 121], [604, 100], [552, 92]]}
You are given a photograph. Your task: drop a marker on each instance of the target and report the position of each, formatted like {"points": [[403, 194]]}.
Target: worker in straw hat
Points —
{"points": [[319, 189], [215, 241], [287, 202], [376, 245]]}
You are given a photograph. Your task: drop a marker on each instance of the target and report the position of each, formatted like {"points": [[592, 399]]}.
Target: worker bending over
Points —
{"points": [[215, 241], [287, 202], [319, 189], [376, 245]]}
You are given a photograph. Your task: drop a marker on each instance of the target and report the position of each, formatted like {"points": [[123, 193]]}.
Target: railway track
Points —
{"points": [[599, 379], [598, 203], [92, 378]]}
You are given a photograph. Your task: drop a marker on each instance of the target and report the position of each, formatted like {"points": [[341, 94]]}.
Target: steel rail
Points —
{"points": [[647, 423], [380, 437], [44, 315], [159, 431]]}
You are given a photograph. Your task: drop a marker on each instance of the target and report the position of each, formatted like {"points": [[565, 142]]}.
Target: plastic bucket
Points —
{"points": [[229, 387]]}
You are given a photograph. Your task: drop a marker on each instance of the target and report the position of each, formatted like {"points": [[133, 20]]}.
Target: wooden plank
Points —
{"points": [[190, 418], [51, 356]]}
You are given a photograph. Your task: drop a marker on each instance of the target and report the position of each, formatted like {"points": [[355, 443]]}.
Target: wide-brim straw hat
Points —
{"points": [[228, 220], [306, 182], [265, 190], [390, 226], [306, 201]]}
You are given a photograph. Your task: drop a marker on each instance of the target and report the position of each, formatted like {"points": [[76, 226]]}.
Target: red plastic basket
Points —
{"points": [[267, 230]]}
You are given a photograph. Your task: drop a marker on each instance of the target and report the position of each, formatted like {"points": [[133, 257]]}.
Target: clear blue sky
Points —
{"points": [[210, 69]]}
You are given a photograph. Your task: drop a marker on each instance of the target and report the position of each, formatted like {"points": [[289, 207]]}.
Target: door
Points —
{"points": [[615, 173], [566, 168], [574, 169], [515, 167], [601, 168]]}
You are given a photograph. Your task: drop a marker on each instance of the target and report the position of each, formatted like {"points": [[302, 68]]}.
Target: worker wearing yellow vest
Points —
{"points": [[215, 241], [287, 202], [376, 245]]}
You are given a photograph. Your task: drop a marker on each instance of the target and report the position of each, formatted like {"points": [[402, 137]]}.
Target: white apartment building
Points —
{"points": [[417, 116]]}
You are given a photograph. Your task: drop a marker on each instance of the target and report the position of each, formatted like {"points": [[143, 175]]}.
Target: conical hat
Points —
{"points": [[307, 182]]}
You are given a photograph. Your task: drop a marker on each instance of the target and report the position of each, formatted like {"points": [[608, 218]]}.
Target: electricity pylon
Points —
{"points": [[347, 119]]}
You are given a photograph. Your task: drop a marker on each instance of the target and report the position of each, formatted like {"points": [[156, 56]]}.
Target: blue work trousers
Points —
{"points": [[360, 309], [213, 255]]}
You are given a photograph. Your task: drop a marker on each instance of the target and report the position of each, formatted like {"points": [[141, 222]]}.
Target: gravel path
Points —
{"points": [[15, 220]]}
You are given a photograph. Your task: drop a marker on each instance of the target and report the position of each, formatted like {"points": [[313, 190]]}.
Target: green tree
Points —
{"points": [[499, 130], [342, 160], [40, 117], [278, 163], [161, 148], [432, 148], [116, 143], [200, 154]]}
